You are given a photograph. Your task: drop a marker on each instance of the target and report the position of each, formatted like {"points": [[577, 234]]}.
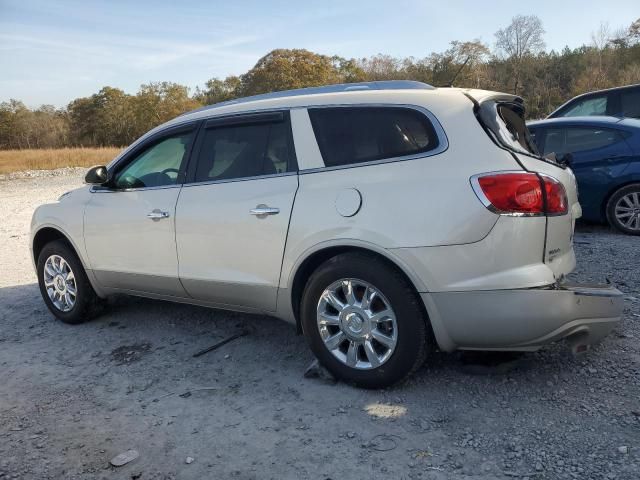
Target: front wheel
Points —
{"points": [[623, 209], [64, 285], [364, 321]]}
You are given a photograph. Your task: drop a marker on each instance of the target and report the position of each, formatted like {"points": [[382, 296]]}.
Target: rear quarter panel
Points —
{"points": [[412, 203]]}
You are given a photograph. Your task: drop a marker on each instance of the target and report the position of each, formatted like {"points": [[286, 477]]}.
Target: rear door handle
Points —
{"points": [[262, 211], [157, 214]]}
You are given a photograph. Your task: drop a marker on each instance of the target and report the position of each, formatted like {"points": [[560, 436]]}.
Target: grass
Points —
{"points": [[49, 159]]}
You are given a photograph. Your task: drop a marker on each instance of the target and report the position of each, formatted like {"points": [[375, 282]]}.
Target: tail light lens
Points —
{"points": [[557, 203], [521, 193]]}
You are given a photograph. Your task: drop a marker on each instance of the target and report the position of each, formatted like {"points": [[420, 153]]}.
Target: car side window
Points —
{"points": [[235, 151], [588, 106], [554, 141], [350, 135], [158, 165], [630, 102], [578, 139], [583, 139]]}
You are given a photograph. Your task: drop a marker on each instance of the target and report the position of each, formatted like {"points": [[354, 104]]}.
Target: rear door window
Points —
{"points": [[350, 135], [578, 139], [242, 150], [630, 102]]}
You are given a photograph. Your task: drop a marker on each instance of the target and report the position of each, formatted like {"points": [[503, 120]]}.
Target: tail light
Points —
{"points": [[520, 193]]}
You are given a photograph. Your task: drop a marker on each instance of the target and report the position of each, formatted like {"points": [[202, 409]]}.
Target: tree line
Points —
{"points": [[518, 63]]}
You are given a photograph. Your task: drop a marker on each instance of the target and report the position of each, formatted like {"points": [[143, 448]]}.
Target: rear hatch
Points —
{"points": [[502, 117]]}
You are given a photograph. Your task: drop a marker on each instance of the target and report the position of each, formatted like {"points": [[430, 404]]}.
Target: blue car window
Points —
{"points": [[578, 139], [582, 139]]}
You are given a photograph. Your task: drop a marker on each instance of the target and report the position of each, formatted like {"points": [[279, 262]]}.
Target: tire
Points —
{"points": [[70, 310], [627, 198], [353, 361]]}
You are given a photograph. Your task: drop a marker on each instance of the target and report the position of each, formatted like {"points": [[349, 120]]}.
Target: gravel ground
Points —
{"points": [[73, 397]]}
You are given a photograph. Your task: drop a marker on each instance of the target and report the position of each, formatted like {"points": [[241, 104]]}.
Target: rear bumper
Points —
{"points": [[525, 319]]}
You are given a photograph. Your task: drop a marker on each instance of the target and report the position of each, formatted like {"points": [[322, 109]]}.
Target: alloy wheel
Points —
{"points": [[627, 211], [60, 283], [357, 323]]}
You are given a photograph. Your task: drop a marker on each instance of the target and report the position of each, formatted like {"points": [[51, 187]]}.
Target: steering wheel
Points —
{"points": [[166, 171], [129, 181]]}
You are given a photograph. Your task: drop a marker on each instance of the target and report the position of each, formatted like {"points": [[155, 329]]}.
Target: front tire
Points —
{"points": [[364, 321], [64, 285], [623, 209]]}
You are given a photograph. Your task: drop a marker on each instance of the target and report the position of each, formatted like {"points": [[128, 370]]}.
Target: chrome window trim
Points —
{"points": [[99, 189], [443, 141], [240, 179]]}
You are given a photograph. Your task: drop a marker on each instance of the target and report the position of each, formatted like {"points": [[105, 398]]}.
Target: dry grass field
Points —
{"points": [[49, 159]]}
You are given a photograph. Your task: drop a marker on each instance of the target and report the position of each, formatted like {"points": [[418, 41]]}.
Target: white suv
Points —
{"points": [[382, 219]]}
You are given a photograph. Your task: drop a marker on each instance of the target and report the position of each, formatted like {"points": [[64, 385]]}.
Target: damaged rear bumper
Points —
{"points": [[524, 319]]}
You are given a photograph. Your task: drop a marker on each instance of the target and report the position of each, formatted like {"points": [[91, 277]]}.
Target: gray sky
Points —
{"points": [[55, 51]]}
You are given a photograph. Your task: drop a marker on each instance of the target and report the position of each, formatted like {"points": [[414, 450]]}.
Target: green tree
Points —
{"points": [[217, 90], [159, 102], [288, 69], [348, 70], [460, 64]]}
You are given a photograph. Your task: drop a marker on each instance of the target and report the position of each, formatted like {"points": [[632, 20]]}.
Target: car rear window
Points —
{"points": [[505, 122], [587, 107], [349, 135]]}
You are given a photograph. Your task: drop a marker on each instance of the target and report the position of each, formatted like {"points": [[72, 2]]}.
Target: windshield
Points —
{"points": [[505, 121]]}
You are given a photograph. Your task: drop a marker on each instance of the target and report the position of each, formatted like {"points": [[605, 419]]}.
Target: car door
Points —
{"points": [[129, 224], [233, 213], [630, 102], [598, 155]]}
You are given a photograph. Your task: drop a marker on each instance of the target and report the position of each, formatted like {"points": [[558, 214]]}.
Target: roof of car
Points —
{"points": [[588, 94], [588, 120], [445, 101], [339, 87], [391, 91], [604, 90]]}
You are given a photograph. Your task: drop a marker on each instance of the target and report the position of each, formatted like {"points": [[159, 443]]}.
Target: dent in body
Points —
{"points": [[524, 319], [509, 257]]}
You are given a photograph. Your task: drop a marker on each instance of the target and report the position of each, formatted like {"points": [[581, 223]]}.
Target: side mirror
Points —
{"points": [[566, 159], [97, 175]]}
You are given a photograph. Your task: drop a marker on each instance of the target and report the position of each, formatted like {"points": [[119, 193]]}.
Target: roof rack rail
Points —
{"points": [[338, 87]]}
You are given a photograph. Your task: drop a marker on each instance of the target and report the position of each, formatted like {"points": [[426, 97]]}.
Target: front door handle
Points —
{"points": [[157, 214], [261, 211]]}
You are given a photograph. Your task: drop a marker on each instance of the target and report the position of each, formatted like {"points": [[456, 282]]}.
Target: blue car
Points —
{"points": [[604, 153]]}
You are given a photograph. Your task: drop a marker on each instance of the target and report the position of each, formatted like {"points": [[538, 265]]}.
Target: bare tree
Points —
{"points": [[634, 32], [601, 37], [522, 38]]}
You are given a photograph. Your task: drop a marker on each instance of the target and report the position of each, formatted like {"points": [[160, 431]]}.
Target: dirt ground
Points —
{"points": [[73, 397]]}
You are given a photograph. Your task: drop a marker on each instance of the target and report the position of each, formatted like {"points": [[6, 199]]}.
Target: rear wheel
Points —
{"points": [[64, 285], [623, 209], [364, 321]]}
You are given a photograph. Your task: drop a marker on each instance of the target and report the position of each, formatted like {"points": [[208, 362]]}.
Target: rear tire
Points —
{"points": [[373, 344], [623, 209], [64, 285]]}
